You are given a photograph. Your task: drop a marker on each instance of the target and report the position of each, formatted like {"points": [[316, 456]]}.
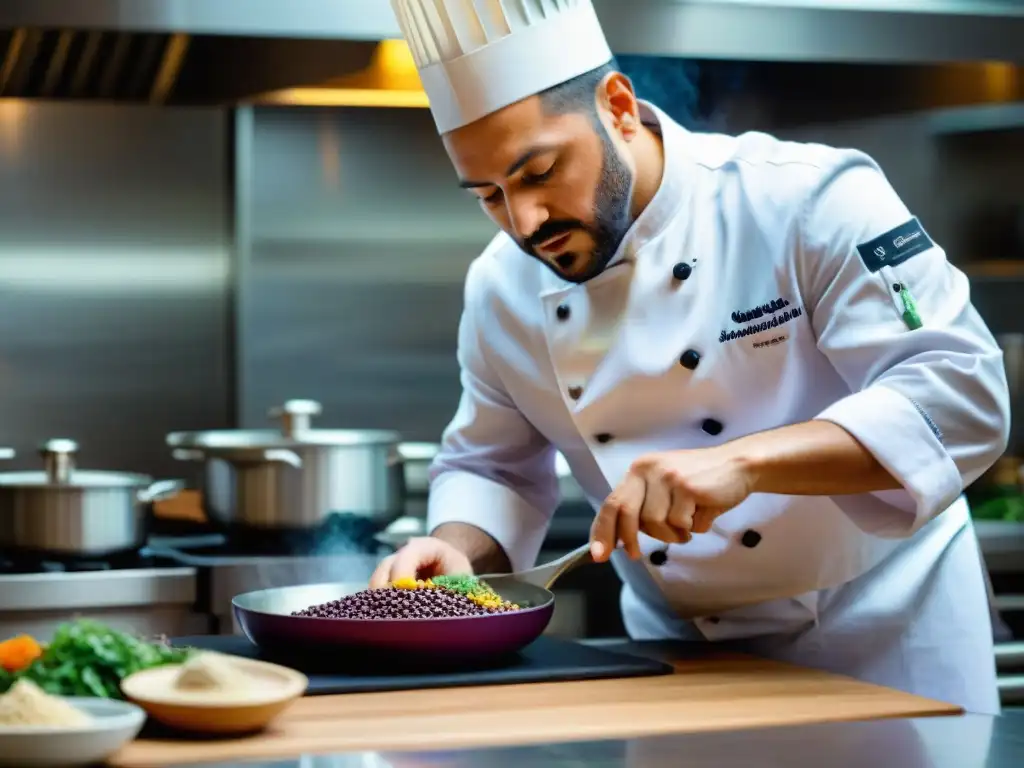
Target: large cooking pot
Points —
{"points": [[416, 461], [71, 512], [296, 477]]}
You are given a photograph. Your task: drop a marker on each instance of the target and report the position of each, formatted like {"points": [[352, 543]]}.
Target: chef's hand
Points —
{"points": [[421, 558], [669, 496]]}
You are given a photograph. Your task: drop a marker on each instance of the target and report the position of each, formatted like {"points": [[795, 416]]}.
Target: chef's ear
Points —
{"points": [[617, 97]]}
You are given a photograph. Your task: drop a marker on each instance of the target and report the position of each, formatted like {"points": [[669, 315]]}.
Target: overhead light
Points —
{"points": [[344, 97], [391, 80]]}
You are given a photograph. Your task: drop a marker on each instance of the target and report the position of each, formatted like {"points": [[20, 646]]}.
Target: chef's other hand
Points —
{"points": [[669, 496], [421, 558]]}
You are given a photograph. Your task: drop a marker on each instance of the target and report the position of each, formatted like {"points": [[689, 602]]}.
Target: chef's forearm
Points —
{"points": [[484, 553], [813, 458]]}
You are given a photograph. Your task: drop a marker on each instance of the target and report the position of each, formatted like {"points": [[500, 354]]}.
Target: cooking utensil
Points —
{"points": [[72, 512], [265, 618], [542, 575], [295, 477]]}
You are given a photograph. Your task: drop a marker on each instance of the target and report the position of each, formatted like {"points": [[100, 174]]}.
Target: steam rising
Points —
{"points": [[691, 93]]}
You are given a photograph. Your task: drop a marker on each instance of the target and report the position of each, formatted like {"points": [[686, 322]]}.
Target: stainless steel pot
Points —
{"points": [[295, 477], [416, 460], [418, 457], [71, 512]]}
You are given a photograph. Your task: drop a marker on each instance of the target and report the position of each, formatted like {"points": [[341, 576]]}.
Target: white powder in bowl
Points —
{"points": [[26, 704], [212, 673]]}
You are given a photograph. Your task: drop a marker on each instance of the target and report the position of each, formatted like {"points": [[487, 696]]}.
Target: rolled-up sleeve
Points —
{"points": [[494, 470], [929, 394]]}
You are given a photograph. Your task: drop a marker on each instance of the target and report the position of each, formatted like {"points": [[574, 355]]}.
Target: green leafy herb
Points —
{"points": [[87, 658]]}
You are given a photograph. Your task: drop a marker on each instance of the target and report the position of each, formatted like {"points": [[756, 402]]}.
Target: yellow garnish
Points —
{"points": [[476, 592]]}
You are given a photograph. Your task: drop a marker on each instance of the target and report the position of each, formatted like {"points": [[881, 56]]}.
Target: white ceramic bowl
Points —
{"points": [[115, 723]]}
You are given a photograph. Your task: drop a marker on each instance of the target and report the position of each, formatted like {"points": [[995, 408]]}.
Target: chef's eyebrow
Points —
{"points": [[524, 158]]}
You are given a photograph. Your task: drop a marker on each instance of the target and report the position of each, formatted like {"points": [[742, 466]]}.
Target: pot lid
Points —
{"points": [[59, 471], [296, 418]]}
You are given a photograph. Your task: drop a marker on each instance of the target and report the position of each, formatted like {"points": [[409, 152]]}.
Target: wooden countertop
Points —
{"points": [[719, 691]]}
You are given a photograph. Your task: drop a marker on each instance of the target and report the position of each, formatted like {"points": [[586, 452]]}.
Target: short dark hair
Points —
{"points": [[578, 94]]}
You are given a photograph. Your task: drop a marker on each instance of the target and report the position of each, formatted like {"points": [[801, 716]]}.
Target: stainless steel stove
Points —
{"points": [[174, 586], [151, 596]]}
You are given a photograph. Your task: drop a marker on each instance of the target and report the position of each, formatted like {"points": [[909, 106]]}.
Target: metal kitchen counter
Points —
{"points": [[94, 590]]}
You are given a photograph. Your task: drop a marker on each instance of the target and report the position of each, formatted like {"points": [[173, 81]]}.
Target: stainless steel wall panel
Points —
{"points": [[352, 290], [115, 249]]}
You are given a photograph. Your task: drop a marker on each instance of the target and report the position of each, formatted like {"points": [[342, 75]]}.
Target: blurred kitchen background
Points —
{"points": [[209, 210]]}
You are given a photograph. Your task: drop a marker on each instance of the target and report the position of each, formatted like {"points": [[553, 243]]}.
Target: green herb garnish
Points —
{"points": [[470, 586], [87, 658]]}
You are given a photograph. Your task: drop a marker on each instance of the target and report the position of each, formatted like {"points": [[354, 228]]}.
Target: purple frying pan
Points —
{"points": [[265, 617]]}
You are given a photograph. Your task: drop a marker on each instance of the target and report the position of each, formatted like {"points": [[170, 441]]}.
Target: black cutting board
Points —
{"points": [[547, 659]]}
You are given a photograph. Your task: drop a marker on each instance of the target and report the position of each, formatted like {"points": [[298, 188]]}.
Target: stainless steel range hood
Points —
{"points": [[222, 51]]}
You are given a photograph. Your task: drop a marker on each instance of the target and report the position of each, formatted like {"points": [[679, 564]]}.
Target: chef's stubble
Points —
{"points": [[612, 218]]}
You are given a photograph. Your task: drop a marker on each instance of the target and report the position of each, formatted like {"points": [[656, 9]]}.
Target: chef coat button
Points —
{"points": [[750, 539], [681, 271], [712, 427], [562, 312], [658, 557], [689, 359], [575, 392], [604, 437]]}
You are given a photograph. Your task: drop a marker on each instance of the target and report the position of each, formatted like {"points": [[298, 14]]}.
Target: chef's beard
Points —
{"points": [[612, 218]]}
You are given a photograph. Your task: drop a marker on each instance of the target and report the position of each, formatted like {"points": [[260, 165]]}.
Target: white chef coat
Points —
{"points": [[760, 259]]}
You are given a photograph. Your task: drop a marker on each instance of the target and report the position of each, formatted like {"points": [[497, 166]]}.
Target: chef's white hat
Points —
{"points": [[476, 57]]}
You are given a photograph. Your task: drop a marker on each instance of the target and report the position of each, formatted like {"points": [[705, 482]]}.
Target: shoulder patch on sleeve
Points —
{"points": [[895, 246]]}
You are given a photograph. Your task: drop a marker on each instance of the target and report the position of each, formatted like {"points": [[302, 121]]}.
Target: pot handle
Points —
{"points": [[161, 490], [284, 457], [296, 416], [188, 454]]}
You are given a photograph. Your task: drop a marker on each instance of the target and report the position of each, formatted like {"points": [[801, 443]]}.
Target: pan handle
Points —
{"points": [[546, 575]]}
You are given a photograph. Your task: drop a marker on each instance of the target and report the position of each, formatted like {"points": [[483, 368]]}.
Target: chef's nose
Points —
{"points": [[525, 215]]}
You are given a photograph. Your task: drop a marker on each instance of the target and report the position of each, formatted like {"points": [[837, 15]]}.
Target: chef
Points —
{"points": [[763, 371]]}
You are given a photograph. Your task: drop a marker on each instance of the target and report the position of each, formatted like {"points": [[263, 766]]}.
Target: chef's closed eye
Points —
{"points": [[494, 197], [538, 175]]}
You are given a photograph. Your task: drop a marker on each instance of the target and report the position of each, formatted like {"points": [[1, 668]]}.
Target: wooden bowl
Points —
{"points": [[275, 688]]}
